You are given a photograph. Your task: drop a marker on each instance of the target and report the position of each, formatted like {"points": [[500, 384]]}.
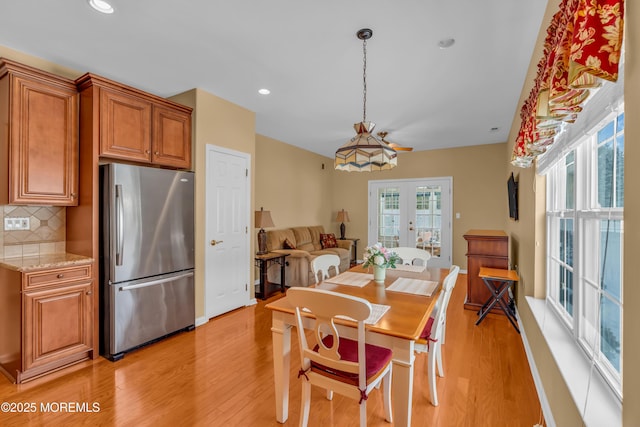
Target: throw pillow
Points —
{"points": [[288, 244], [328, 241]]}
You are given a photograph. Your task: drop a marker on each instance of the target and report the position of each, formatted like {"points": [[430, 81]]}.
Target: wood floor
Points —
{"points": [[221, 374]]}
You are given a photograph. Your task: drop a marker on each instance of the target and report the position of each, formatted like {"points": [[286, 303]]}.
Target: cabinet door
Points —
{"points": [[171, 137], [44, 143], [57, 324], [125, 126]]}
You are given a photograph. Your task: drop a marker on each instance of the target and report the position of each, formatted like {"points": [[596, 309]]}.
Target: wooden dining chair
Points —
{"points": [[409, 255], [335, 363], [322, 263], [432, 336]]}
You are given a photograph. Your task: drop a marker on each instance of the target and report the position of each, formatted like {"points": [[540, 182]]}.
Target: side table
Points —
{"points": [[263, 262], [499, 283], [354, 250]]}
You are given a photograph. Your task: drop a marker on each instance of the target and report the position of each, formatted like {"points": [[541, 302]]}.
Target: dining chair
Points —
{"points": [[322, 263], [348, 367], [409, 255], [432, 336]]}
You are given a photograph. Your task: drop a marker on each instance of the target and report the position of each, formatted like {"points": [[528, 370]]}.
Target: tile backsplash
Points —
{"points": [[46, 232]]}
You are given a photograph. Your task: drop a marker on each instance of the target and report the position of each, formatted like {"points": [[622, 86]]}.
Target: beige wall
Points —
{"points": [[291, 183], [223, 124], [528, 241]]}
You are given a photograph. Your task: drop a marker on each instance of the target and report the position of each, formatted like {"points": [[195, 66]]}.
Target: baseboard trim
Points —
{"points": [[544, 403]]}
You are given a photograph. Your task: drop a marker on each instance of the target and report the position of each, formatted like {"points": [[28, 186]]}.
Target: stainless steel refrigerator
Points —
{"points": [[146, 256]]}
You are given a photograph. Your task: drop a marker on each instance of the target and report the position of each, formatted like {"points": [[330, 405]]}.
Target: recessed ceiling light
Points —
{"points": [[264, 91], [445, 43], [101, 6]]}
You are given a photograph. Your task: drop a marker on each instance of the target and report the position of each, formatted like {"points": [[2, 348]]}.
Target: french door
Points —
{"points": [[413, 213]]}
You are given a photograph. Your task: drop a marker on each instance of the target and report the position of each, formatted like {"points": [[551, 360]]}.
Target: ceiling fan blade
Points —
{"points": [[399, 148]]}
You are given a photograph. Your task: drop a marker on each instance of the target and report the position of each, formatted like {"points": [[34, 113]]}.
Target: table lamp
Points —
{"points": [[263, 219], [343, 216]]}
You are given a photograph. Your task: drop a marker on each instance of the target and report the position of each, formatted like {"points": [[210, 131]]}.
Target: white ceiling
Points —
{"points": [[308, 55]]}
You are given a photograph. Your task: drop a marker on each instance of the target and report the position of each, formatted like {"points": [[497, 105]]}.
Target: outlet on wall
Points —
{"points": [[14, 224]]}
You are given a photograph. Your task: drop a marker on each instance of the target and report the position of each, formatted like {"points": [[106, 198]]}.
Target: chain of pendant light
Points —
{"points": [[364, 80]]}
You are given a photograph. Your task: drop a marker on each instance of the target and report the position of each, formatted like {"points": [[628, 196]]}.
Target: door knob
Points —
{"points": [[215, 242]]}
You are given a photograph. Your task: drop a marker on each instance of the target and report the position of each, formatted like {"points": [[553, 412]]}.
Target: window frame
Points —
{"points": [[587, 215]]}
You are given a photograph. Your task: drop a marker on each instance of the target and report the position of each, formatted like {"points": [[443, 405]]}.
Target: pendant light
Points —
{"points": [[364, 152]]}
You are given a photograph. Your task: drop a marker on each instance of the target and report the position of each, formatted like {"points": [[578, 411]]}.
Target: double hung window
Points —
{"points": [[585, 231]]}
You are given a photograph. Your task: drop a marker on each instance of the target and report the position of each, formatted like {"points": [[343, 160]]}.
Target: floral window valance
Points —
{"points": [[582, 47]]}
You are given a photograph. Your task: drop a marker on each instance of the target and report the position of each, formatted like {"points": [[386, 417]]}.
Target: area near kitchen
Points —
{"points": [[58, 133]]}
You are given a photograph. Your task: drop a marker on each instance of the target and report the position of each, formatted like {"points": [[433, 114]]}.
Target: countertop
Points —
{"points": [[44, 261]]}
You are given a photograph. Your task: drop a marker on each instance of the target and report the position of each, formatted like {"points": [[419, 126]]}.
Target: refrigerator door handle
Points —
{"points": [[119, 225], [155, 282]]}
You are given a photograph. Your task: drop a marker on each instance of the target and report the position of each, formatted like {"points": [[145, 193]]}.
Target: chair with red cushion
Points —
{"points": [[348, 367], [432, 336]]}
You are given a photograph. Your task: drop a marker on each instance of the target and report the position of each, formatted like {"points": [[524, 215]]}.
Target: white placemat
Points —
{"points": [[377, 311], [351, 278], [414, 268], [413, 286]]}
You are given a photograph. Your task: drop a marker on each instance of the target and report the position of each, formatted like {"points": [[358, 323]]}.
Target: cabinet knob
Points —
{"points": [[147, 151], [60, 276], [156, 153], [73, 195], [89, 292]]}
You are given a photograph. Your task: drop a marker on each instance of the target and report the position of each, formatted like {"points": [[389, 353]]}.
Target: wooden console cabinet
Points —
{"points": [[39, 140], [485, 248], [47, 320]]}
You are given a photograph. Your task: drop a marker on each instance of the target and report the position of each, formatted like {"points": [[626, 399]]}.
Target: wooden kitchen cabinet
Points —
{"points": [[48, 320], [134, 125], [485, 248], [39, 141]]}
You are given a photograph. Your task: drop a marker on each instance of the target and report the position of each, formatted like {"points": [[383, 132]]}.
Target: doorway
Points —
{"points": [[227, 261], [413, 213]]}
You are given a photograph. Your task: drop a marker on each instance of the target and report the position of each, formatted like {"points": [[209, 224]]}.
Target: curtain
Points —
{"points": [[582, 47]]}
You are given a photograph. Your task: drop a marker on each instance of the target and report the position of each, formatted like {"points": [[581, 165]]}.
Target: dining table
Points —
{"points": [[401, 308]]}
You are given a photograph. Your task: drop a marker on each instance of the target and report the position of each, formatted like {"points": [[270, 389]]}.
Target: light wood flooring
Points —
{"points": [[221, 374]]}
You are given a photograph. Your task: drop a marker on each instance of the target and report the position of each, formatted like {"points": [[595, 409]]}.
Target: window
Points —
{"points": [[585, 231]]}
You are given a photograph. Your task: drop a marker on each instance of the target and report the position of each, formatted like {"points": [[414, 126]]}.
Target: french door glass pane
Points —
{"points": [[620, 171], [389, 217], [429, 219]]}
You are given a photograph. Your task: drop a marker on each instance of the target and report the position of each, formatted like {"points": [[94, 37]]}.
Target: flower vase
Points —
{"points": [[379, 273]]}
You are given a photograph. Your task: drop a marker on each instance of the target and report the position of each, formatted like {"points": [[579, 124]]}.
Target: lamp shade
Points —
{"points": [[364, 152], [263, 219], [343, 216]]}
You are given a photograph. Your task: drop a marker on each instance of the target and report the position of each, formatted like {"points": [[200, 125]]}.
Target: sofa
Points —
{"points": [[303, 244]]}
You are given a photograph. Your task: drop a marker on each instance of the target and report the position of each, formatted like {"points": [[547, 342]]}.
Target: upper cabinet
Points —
{"points": [[133, 125], [38, 137]]}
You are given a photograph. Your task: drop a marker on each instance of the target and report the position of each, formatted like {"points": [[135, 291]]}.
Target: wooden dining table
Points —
{"points": [[397, 330]]}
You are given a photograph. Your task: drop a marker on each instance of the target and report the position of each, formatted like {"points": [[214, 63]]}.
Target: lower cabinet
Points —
{"points": [[54, 321]]}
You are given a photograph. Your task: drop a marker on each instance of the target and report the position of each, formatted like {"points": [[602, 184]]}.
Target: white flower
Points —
{"points": [[379, 260]]}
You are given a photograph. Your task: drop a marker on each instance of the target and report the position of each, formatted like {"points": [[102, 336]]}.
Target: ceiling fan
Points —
{"points": [[383, 134]]}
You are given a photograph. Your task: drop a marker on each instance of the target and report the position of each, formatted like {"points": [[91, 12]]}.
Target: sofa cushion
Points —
{"points": [[328, 241], [276, 238], [316, 231], [303, 239]]}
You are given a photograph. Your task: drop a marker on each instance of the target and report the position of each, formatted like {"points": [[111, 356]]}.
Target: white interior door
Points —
{"points": [[227, 261], [413, 213]]}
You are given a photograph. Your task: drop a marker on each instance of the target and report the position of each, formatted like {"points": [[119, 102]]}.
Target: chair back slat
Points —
{"points": [[409, 255], [322, 263]]}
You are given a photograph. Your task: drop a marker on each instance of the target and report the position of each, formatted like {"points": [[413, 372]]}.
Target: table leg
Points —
{"points": [[283, 264], [402, 383], [281, 335]]}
